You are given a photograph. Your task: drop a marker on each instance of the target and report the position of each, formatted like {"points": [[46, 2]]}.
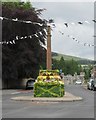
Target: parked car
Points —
{"points": [[30, 84], [78, 82], [94, 85], [91, 85]]}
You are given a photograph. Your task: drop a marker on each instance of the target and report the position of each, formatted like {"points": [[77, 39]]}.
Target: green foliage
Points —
{"points": [[27, 5], [48, 89], [49, 84], [58, 56], [9, 0], [16, 4], [67, 66], [87, 73]]}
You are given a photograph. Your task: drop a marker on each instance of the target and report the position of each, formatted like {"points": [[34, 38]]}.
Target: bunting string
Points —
{"points": [[22, 21], [30, 22], [75, 39], [85, 44], [17, 39], [54, 26], [78, 23], [21, 38]]}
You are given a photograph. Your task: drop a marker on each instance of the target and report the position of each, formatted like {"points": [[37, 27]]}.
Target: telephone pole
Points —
{"points": [[49, 59]]}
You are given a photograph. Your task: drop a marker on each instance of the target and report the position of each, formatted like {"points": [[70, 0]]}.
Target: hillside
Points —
{"points": [[57, 56]]}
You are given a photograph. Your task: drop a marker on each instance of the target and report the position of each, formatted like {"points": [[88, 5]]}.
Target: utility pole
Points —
{"points": [[49, 59]]}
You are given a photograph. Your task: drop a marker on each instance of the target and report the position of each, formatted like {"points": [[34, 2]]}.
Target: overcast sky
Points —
{"points": [[70, 12]]}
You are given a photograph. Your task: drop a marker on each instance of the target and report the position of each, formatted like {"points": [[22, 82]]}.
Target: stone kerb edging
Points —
{"points": [[67, 98]]}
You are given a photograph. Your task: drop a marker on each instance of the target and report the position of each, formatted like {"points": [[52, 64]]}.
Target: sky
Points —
{"points": [[71, 13]]}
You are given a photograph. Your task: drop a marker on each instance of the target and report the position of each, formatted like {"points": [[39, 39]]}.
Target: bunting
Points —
{"points": [[22, 21], [79, 22], [75, 39], [52, 24], [17, 38], [50, 21]]}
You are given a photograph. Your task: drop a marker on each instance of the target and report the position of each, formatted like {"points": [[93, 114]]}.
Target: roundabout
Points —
{"points": [[68, 97]]}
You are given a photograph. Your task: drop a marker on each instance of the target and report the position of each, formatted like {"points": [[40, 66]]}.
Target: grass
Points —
{"points": [[66, 57]]}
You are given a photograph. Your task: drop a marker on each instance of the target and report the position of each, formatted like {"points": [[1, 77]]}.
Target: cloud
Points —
{"points": [[60, 1], [72, 12]]}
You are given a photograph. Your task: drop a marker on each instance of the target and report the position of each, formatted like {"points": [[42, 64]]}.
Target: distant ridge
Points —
{"points": [[57, 56]]}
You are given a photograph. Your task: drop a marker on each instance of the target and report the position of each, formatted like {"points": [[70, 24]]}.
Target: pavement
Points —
{"points": [[68, 97]]}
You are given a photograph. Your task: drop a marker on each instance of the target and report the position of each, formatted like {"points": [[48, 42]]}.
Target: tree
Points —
{"points": [[87, 72], [79, 69], [67, 66], [55, 64], [24, 58]]}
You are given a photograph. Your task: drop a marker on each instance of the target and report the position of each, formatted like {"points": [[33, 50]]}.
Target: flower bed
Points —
{"points": [[49, 85]]}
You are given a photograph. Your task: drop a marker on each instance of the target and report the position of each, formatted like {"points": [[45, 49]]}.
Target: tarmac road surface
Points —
{"points": [[29, 109]]}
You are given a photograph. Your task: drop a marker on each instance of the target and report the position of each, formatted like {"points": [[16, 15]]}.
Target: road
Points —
{"points": [[28, 109]]}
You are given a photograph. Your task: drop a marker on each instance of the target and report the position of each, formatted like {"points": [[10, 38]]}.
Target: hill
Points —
{"points": [[57, 56]]}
